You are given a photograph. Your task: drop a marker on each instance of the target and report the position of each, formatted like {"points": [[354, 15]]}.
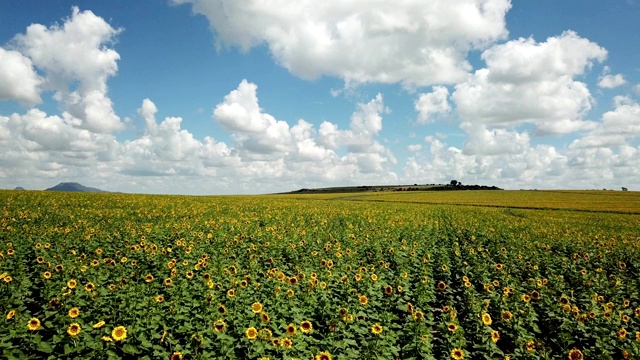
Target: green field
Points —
{"points": [[388, 275]]}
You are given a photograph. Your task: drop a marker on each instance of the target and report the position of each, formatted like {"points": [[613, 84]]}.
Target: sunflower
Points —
{"points": [[222, 309], [287, 343], [343, 312], [168, 282], [251, 333], [452, 327], [291, 329], [11, 314], [374, 277], [265, 317], [231, 293], [90, 287], [33, 324], [526, 298], [106, 339], [176, 356], [388, 290], [376, 329], [71, 284], [442, 286], [98, 325], [457, 354], [219, 325], [266, 334], [119, 333], [363, 300], [506, 315], [535, 295], [74, 312], [306, 326], [410, 308], [159, 299], [531, 345], [495, 336], [189, 275], [322, 356], [357, 277], [418, 315], [256, 307], [486, 319], [622, 333], [148, 278], [74, 329], [46, 275]]}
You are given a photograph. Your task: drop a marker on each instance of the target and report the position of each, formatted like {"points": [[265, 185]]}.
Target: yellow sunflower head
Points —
{"points": [[33, 324], [119, 333], [74, 329]]}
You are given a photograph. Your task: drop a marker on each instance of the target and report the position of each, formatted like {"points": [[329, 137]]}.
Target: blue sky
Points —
{"points": [[228, 97]]}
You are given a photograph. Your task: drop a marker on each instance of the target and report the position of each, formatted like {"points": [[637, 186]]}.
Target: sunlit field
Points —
{"points": [[402, 275]]}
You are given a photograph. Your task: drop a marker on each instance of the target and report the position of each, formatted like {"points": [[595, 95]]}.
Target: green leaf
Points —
{"points": [[45, 347], [130, 349]]}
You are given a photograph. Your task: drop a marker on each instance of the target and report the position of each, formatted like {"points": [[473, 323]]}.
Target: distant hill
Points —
{"points": [[19, 188], [73, 186]]}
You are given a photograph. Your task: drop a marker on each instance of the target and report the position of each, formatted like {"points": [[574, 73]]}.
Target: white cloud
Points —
{"points": [[617, 127], [414, 147], [409, 42], [529, 82], [609, 81], [76, 63], [240, 110], [18, 79], [433, 103], [482, 141], [637, 89]]}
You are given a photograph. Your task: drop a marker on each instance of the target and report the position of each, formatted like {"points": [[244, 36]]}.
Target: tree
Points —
{"points": [[624, 188], [454, 182]]}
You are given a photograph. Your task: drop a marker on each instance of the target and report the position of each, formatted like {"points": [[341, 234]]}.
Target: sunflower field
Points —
{"points": [[420, 275]]}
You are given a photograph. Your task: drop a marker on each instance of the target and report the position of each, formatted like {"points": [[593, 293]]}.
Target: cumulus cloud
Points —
{"points": [[409, 42], [76, 62], [617, 127], [18, 79], [529, 82], [493, 142], [609, 81], [259, 136], [433, 103]]}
